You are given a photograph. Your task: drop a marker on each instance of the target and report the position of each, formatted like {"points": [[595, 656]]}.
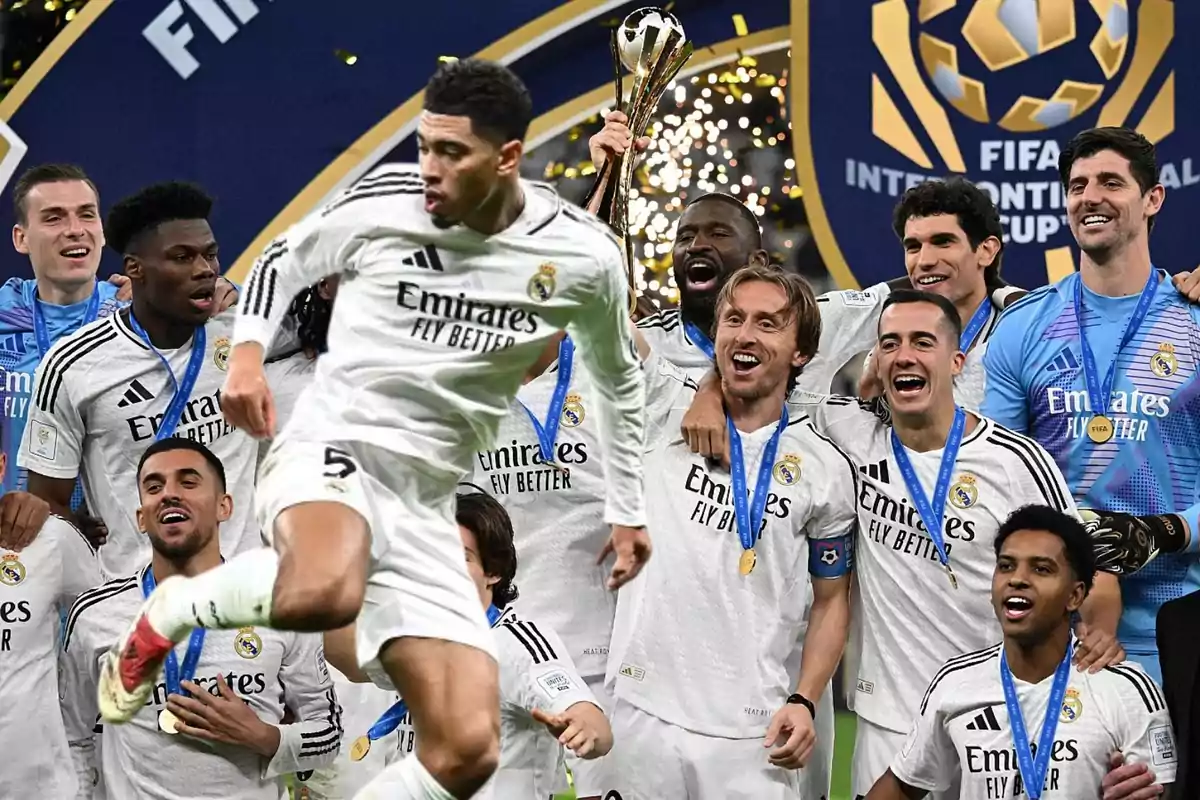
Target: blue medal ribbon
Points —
{"points": [[749, 511], [699, 338], [172, 672], [390, 719], [548, 433], [978, 320], [1033, 767], [183, 391], [42, 333], [933, 514], [1099, 393]]}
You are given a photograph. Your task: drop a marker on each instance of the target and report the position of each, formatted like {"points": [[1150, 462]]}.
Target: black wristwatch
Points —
{"points": [[801, 700]]}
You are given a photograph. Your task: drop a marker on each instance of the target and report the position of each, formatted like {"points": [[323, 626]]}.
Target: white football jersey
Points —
{"points": [[535, 672], [271, 670], [690, 625], [963, 730], [37, 586], [557, 514], [434, 329], [288, 377], [99, 397], [849, 320], [905, 610]]}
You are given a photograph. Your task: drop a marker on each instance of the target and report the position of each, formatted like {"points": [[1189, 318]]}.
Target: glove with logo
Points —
{"points": [[1125, 543]]}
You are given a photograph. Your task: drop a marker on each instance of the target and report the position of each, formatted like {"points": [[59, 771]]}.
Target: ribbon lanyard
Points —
{"points": [[39, 320], [548, 433], [749, 511], [699, 338], [1100, 430], [183, 392], [978, 320], [171, 670], [390, 719], [933, 514], [1033, 767]]}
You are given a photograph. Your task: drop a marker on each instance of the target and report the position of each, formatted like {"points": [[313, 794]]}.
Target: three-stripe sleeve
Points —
{"points": [[313, 740]]}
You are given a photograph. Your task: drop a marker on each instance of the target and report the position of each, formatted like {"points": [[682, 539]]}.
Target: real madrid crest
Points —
{"points": [[221, 353], [247, 643], [787, 469], [964, 493], [1072, 707], [542, 285], [573, 413], [12, 571], [1164, 364]]}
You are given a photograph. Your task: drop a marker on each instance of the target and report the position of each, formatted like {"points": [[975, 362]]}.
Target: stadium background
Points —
{"points": [[814, 114]]}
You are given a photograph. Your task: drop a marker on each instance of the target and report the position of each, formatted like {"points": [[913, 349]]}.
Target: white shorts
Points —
{"points": [[594, 777], [875, 749], [816, 777], [418, 584], [656, 760]]}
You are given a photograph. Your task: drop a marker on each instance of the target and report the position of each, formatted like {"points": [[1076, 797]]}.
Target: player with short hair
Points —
{"points": [[154, 370], [212, 728], [37, 586], [985, 712], [459, 274], [1101, 369], [545, 705], [713, 695]]}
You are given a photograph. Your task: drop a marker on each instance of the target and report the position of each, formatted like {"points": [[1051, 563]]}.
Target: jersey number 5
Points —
{"points": [[339, 463]]}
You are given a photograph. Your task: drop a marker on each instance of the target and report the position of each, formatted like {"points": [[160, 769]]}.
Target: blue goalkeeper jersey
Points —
{"points": [[1035, 384], [19, 356]]}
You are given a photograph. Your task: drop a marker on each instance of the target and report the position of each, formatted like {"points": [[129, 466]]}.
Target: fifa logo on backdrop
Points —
{"points": [[992, 88]]}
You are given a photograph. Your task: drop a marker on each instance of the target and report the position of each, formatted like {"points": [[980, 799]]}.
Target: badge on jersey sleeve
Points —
{"points": [[247, 643], [221, 354], [787, 469], [964, 493], [542, 285], [12, 571], [1072, 707], [573, 412], [1164, 364]]}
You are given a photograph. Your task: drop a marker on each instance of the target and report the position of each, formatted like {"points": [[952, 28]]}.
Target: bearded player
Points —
{"points": [[454, 278]]}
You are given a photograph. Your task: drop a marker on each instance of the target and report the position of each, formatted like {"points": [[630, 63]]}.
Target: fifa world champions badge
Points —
{"points": [[542, 285], [12, 571]]}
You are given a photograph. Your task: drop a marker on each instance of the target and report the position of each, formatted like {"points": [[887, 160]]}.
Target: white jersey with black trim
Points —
{"points": [[288, 377], [963, 731], [536, 672], [99, 397], [37, 585], [905, 610], [434, 328], [849, 320], [690, 625], [557, 513], [271, 670]]}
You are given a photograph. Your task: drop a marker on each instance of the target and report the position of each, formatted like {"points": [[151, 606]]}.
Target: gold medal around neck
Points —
{"points": [[953, 579], [167, 722], [1100, 429], [360, 748], [747, 561]]}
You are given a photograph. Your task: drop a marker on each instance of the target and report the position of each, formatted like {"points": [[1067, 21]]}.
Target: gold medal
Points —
{"points": [[747, 561], [360, 748], [953, 580], [1100, 429], [167, 722]]}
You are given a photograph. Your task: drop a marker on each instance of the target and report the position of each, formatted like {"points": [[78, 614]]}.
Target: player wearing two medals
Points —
{"points": [[720, 612]]}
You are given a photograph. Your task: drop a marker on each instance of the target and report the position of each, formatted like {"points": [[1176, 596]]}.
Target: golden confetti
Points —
{"points": [[346, 57], [795, 192], [443, 59], [739, 25]]}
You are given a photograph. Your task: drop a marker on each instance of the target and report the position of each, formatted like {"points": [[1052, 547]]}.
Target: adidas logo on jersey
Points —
{"points": [[1065, 361], [135, 393], [985, 722], [877, 471], [425, 258]]}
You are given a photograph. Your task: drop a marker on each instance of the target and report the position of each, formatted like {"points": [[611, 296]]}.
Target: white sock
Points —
{"points": [[235, 594], [407, 779]]}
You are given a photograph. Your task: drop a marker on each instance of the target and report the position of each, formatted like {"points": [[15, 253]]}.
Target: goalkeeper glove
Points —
{"points": [[1124, 543]]}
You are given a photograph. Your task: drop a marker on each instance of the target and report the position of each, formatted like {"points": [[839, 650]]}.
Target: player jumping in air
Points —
{"points": [[453, 279]]}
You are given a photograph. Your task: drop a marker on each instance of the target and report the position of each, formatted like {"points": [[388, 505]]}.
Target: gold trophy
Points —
{"points": [[650, 44]]}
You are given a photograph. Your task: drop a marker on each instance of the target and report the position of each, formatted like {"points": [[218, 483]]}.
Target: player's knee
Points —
{"points": [[468, 752]]}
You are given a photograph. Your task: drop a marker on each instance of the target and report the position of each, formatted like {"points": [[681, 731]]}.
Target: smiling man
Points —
{"points": [[109, 390], [983, 710], [1101, 369]]}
